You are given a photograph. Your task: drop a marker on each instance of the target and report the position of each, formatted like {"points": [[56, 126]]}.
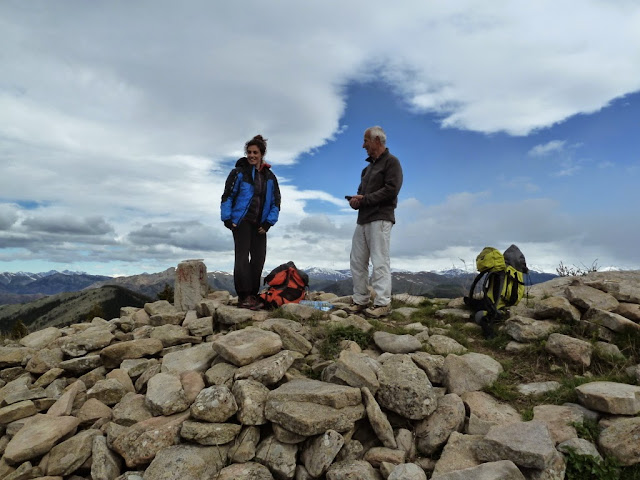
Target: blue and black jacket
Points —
{"points": [[238, 192]]}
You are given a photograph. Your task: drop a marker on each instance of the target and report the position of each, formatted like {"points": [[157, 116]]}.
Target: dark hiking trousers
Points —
{"points": [[251, 251]]}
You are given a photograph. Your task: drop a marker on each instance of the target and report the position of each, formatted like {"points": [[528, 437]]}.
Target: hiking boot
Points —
{"points": [[378, 311], [355, 308], [249, 302], [258, 304]]}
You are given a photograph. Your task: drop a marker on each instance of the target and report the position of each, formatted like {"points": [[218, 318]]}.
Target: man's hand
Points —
{"points": [[355, 201]]}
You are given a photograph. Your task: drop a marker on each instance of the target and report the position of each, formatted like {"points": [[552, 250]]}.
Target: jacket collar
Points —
{"points": [[374, 160], [244, 163]]}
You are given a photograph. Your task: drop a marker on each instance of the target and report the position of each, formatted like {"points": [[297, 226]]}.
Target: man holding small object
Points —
{"points": [[376, 201]]}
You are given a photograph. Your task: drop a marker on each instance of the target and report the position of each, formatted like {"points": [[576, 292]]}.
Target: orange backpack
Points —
{"points": [[287, 284]]}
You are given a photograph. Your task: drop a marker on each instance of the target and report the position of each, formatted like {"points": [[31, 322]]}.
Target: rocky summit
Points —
{"points": [[200, 389]]}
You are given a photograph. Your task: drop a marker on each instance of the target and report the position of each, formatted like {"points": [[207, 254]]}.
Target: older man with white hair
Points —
{"points": [[376, 202]]}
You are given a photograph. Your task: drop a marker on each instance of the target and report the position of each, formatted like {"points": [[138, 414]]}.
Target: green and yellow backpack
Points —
{"points": [[501, 281]]}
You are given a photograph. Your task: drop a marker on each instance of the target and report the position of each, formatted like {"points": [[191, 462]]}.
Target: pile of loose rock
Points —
{"points": [[210, 391]]}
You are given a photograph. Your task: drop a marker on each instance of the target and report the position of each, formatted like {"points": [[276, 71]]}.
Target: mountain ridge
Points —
{"points": [[26, 287]]}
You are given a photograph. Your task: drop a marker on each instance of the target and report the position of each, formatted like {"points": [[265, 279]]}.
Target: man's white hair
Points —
{"points": [[378, 132]]}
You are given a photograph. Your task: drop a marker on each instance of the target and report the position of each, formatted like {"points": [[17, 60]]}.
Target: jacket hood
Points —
{"points": [[242, 162]]}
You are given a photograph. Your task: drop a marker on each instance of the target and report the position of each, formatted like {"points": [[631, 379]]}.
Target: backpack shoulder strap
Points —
{"points": [[474, 303]]}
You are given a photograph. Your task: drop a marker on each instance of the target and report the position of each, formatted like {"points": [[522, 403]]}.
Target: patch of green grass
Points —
{"points": [[329, 347], [499, 342], [629, 344], [397, 317], [389, 327], [587, 429], [527, 414], [533, 365], [459, 336], [397, 304], [429, 308], [503, 388], [18, 330], [604, 365], [427, 321], [630, 473], [565, 394], [314, 319]]}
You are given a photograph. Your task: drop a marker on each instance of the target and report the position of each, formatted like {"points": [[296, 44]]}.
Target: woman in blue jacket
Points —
{"points": [[250, 206]]}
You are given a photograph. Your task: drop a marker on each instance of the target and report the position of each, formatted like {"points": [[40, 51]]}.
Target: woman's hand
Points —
{"points": [[264, 228]]}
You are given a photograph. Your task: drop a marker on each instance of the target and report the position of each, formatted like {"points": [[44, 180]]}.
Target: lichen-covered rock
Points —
{"points": [[405, 388]]}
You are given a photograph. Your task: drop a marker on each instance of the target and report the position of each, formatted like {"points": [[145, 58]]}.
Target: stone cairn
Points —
{"points": [[210, 391]]}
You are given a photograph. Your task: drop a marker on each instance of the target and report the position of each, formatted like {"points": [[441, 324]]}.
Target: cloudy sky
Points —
{"points": [[515, 122]]}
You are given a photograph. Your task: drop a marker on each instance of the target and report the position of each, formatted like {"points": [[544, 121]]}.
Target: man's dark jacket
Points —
{"points": [[380, 184]]}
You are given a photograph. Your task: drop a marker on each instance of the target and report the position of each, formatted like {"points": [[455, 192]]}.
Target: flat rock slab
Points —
{"points": [[245, 346], [41, 338], [197, 358], [485, 412], [227, 315], [310, 419], [620, 441], [585, 297], [248, 470], [314, 391], [38, 437], [405, 388], [457, 454], [610, 397], [388, 342], [268, 370], [14, 356], [500, 470], [186, 462], [352, 469], [470, 372], [538, 388], [527, 444], [114, 354]]}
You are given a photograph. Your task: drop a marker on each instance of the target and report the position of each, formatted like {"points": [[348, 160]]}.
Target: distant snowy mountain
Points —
{"points": [[452, 272], [19, 278], [24, 287], [327, 273], [15, 285]]}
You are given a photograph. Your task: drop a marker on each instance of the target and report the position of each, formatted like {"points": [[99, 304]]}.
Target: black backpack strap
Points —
{"points": [[475, 303], [513, 297]]}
